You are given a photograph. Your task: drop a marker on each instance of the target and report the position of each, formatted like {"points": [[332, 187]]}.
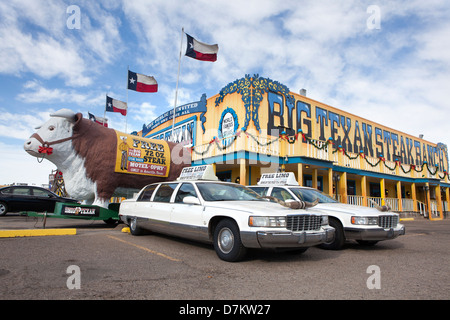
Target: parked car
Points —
{"points": [[29, 198], [199, 207], [366, 225]]}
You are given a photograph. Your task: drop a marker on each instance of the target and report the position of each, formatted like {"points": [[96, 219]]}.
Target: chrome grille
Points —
{"points": [[304, 222], [387, 221]]}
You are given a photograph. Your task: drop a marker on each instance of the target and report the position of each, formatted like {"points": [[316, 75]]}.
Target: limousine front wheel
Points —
{"points": [[227, 241]]}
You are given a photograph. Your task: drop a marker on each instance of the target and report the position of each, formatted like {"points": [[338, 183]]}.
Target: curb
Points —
{"points": [[406, 219], [36, 233]]}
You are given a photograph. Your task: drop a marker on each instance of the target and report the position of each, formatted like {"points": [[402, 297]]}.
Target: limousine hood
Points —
{"points": [[263, 208], [329, 208]]}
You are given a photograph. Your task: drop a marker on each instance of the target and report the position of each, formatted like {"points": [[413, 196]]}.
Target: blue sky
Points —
{"points": [[397, 75]]}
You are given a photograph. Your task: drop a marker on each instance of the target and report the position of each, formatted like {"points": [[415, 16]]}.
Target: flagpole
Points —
{"points": [[176, 90], [126, 116]]}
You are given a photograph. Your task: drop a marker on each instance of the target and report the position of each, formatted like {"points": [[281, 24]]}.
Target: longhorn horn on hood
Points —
{"points": [[384, 208], [294, 204]]}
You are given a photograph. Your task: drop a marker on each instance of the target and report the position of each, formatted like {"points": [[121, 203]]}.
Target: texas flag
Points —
{"points": [[99, 120], [141, 83], [201, 51], [113, 105]]}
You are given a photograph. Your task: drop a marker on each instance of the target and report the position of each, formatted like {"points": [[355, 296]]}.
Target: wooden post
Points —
{"points": [[330, 182], [300, 174], [399, 196], [437, 192], [364, 190], [314, 178], [343, 187], [242, 172], [414, 197]]}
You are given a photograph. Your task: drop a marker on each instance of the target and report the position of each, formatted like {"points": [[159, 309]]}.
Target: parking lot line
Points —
{"points": [[146, 249], [36, 233]]}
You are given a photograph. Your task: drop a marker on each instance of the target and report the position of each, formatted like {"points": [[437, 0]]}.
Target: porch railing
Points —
{"points": [[355, 200]]}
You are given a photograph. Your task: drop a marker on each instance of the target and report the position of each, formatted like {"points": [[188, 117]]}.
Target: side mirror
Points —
{"points": [[191, 200]]}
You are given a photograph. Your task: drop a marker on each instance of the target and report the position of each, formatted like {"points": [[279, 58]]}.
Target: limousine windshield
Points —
{"points": [[311, 195], [227, 192]]}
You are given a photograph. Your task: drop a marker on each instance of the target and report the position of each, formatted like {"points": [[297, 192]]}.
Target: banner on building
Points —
{"points": [[137, 155]]}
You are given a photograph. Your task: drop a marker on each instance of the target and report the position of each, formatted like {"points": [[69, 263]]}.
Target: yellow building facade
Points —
{"points": [[256, 125]]}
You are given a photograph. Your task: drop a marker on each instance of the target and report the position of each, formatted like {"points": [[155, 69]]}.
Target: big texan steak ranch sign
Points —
{"points": [[137, 155]]}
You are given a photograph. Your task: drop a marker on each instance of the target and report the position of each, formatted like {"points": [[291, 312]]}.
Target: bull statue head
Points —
{"points": [[57, 130], [52, 141]]}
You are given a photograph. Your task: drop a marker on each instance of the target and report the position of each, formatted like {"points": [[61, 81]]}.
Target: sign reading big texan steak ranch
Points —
{"points": [[137, 155]]}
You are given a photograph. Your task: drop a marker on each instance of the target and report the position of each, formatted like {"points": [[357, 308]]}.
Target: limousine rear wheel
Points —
{"points": [[135, 230], [227, 241]]}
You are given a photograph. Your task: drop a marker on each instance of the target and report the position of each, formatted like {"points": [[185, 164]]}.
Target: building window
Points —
{"points": [[307, 181]]}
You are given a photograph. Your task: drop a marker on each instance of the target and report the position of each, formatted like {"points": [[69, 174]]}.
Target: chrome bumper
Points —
{"points": [[376, 234], [280, 239]]}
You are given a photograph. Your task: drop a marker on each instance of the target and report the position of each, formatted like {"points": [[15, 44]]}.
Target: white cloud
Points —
{"points": [[21, 125], [34, 38], [42, 55], [20, 167], [34, 93], [144, 111]]}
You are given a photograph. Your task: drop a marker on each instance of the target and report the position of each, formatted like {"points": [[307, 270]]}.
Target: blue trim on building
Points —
{"points": [[323, 163], [194, 130]]}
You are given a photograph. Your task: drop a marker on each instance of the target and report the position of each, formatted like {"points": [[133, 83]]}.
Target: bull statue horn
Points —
{"points": [[384, 208], [294, 204], [65, 113]]}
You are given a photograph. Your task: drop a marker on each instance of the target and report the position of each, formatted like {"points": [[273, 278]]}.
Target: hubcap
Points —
{"points": [[226, 240], [133, 223]]}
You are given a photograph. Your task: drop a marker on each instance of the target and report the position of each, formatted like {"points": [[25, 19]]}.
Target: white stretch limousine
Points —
{"points": [[364, 224], [233, 217]]}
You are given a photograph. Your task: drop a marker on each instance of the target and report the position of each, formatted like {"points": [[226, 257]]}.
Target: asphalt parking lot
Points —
{"points": [[102, 262]]}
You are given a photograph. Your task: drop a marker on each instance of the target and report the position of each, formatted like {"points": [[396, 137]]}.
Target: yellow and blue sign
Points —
{"points": [[137, 155]]}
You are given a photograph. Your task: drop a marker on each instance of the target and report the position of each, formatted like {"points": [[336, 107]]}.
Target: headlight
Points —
{"points": [[324, 220], [365, 220], [273, 222]]}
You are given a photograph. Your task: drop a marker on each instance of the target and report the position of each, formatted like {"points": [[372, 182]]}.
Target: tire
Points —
{"points": [[3, 209], [135, 230], [339, 237], [227, 241]]}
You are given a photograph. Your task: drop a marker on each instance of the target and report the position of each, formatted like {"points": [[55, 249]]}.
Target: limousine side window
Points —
{"points": [[146, 195], [185, 190], [164, 193]]}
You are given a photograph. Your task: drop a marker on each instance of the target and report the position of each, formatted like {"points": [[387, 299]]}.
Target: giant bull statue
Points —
{"points": [[96, 160]]}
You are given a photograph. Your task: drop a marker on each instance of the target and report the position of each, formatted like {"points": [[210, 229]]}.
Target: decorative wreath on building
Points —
{"points": [[293, 139]]}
